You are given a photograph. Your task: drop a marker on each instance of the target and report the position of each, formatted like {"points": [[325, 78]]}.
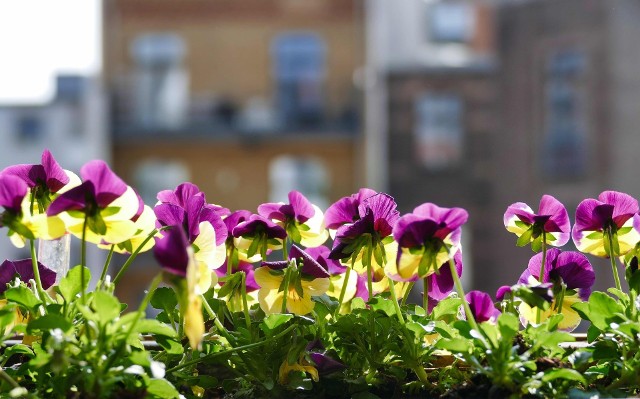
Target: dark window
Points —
{"points": [[29, 128], [299, 67], [438, 130], [564, 149]]}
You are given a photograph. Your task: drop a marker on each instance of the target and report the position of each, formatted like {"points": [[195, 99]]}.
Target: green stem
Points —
{"points": [[216, 321], [105, 268], [425, 295], [83, 260], [422, 375], [614, 269], [245, 305], [135, 253], [7, 378], [367, 260], [343, 290], [36, 272], [541, 277], [392, 291], [407, 292], [232, 350], [460, 291], [285, 291]]}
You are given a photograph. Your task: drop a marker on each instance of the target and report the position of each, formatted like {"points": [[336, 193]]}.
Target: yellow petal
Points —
{"points": [[267, 280], [128, 204], [270, 300], [300, 305], [317, 233], [336, 286], [569, 322], [210, 254]]}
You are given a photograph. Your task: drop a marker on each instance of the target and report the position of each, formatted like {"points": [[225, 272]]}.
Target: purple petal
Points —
{"points": [[212, 214], [591, 215], [383, 208], [309, 265], [520, 210], [624, 205], [24, 269], [275, 210], [453, 218], [169, 215], [12, 192], [325, 364], [235, 219], [302, 208], [559, 218], [193, 208], [247, 268], [481, 306], [321, 255], [362, 291], [502, 292], [276, 265], [258, 223], [180, 195], [576, 271], [107, 185], [74, 199], [56, 178], [441, 284], [341, 212], [171, 251], [413, 231], [140, 208], [29, 173]]}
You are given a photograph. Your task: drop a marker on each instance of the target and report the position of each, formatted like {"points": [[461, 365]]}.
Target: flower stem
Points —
{"points": [[367, 260], [133, 255], [105, 268], [285, 291], [422, 375], [425, 294], [392, 291], [245, 305], [407, 292], [343, 290], [216, 321], [614, 269], [83, 259], [460, 291], [232, 350], [36, 272], [7, 378], [541, 277]]}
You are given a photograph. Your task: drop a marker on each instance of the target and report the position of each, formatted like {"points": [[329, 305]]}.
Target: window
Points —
{"points": [[307, 175], [451, 21], [299, 69], [152, 176], [438, 130], [161, 83], [564, 149], [29, 128]]}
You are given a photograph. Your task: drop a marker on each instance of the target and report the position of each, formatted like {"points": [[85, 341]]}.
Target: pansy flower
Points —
{"points": [[427, 238], [23, 269], [17, 216], [345, 210], [482, 306], [337, 274], [299, 279], [572, 277], [103, 200], [377, 216], [303, 221], [145, 223], [258, 236], [440, 284], [551, 222], [608, 225], [181, 195], [175, 255], [232, 288]]}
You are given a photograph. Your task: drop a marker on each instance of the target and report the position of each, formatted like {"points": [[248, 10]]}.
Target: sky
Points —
{"points": [[40, 38]]}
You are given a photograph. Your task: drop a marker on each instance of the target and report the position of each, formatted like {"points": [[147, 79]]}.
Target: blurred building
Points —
{"points": [[247, 99], [72, 126], [435, 71], [570, 91]]}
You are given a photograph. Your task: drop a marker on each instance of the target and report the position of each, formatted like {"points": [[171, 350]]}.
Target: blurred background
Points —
{"points": [[476, 104]]}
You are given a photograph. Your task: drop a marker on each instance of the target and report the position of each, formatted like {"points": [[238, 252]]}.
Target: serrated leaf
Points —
{"points": [[150, 326], [49, 322], [164, 298], [384, 305], [71, 285], [161, 388], [22, 296], [446, 307], [454, 345], [508, 324], [565, 374], [275, 320], [106, 306]]}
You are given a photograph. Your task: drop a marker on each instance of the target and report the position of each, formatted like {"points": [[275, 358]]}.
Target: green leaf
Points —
{"points": [[164, 298], [565, 374], [161, 388], [71, 285], [22, 296], [602, 308], [150, 326], [275, 320], [384, 305], [446, 307], [106, 306], [358, 303], [96, 224], [7, 316], [18, 349], [593, 333], [525, 238], [171, 346], [508, 325], [110, 211], [49, 322], [454, 345]]}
